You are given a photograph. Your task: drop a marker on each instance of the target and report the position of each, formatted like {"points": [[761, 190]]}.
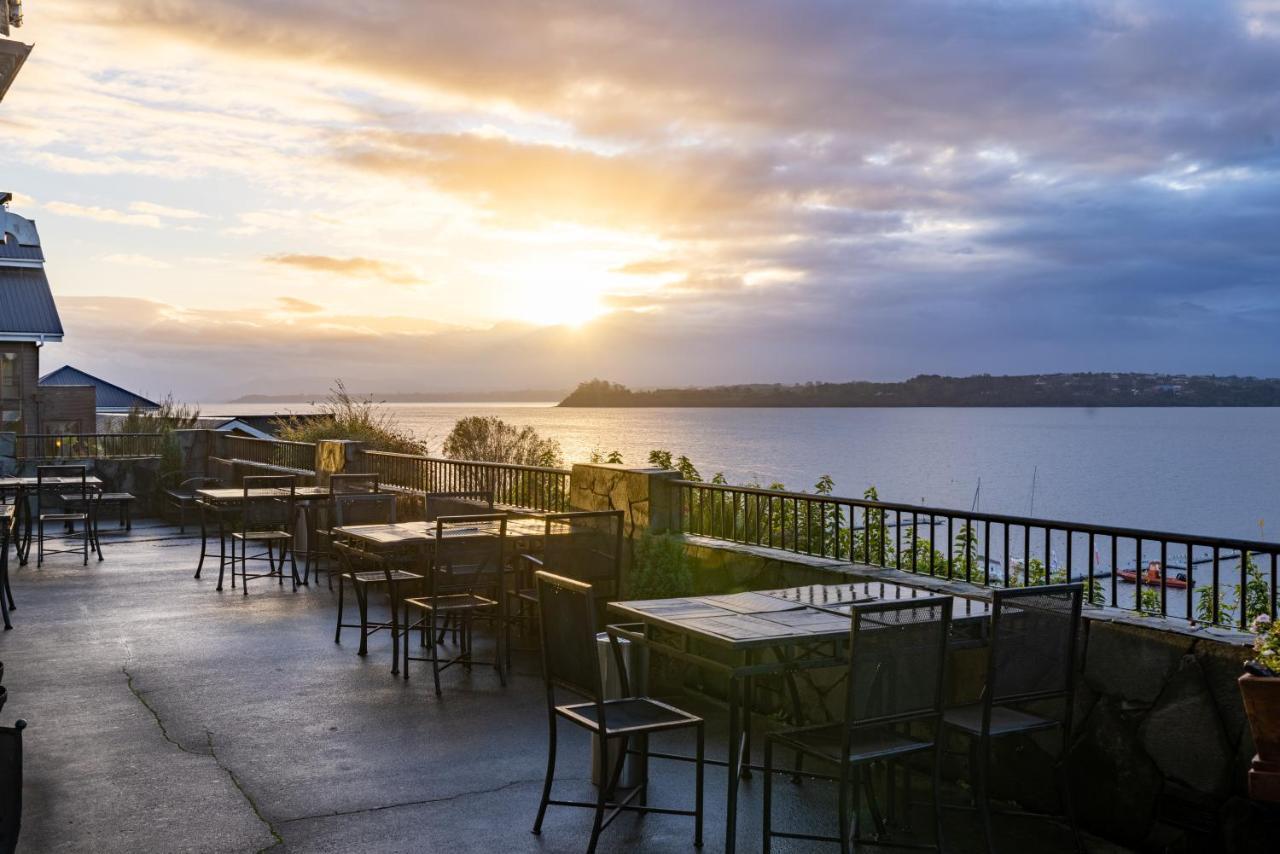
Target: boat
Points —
{"points": [[1152, 576]]}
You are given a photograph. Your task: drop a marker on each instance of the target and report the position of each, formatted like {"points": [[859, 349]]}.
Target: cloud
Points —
{"points": [[293, 305], [915, 184], [165, 212], [103, 214], [133, 259], [365, 268]]}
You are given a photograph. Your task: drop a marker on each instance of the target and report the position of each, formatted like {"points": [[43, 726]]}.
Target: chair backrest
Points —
{"points": [[897, 661], [437, 504], [49, 490], [353, 483], [195, 482], [468, 553], [268, 512], [1033, 642], [567, 624], [586, 546], [364, 509], [354, 559]]}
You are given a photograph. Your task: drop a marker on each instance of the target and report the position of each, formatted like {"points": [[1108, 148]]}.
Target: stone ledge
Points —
{"points": [[1120, 616]]}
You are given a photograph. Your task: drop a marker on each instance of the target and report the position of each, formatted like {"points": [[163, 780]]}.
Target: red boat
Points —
{"points": [[1151, 577]]}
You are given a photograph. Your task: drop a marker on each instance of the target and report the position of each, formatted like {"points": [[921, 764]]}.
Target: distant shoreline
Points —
{"points": [[525, 396], [1081, 391]]}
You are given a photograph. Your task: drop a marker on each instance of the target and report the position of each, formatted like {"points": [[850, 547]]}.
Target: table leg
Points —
{"points": [[735, 755]]}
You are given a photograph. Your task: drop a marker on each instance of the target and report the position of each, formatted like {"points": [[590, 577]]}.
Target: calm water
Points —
{"points": [[1204, 471]]}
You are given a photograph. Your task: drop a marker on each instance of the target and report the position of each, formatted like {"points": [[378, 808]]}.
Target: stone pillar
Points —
{"points": [[334, 456], [645, 494], [195, 447]]}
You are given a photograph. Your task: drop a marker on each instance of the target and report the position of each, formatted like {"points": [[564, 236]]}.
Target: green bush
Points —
{"points": [[342, 416], [660, 569], [490, 439]]}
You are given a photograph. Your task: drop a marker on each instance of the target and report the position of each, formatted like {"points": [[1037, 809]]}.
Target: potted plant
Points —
{"points": [[1260, 688]]}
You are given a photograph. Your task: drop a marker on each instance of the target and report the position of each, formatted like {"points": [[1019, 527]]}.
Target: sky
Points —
{"points": [[239, 196]]}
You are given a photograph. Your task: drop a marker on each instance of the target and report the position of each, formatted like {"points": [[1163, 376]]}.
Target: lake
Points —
{"points": [[1205, 471]]}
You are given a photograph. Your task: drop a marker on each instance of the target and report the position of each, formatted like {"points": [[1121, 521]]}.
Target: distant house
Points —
{"points": [[29, 319], [254, 426], [109, 397]]}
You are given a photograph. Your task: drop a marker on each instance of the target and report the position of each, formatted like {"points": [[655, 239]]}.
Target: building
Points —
{"points": [[12, 53], [109, 398], [28, 320]]}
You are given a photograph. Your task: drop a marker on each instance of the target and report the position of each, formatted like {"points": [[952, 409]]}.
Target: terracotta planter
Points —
{"points": [[1262, 704]]}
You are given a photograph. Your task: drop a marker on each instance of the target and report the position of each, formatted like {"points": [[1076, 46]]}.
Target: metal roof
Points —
{"points": [[109, 395], [12, 55], [12, 250], [27, 311]]}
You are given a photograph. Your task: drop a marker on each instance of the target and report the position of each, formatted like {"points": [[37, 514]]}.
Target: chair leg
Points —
{"points": [[1064, 793], [846, 823], [435, 655], [978, 760], [39, 542], [699, 773], [337, 632], [936, 782], [362, 601], [608, 782], [293, 564], [551, 773], [767, 805]]}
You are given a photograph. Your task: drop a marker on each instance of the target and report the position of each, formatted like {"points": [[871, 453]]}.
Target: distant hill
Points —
{"points": [[522, 396], [932, 390]]}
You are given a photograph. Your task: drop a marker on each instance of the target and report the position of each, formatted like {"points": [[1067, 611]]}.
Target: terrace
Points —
{"points": [[165, 715]]}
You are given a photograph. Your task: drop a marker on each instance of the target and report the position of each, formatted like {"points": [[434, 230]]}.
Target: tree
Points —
{"points": [[490, 439]]}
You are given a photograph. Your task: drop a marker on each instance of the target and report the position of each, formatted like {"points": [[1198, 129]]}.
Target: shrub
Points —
{"points": [[660, 569], [490, 439], [342, 416]]}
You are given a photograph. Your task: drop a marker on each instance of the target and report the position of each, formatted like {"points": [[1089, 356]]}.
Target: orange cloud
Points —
{"points": [[365, 268]]}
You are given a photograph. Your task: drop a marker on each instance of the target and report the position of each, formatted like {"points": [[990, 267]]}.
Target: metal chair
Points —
{"points": [[180, 496], [437, 504], [267, 521], [367, 571], [1032, 661], [11, 785], [320, 517], [570, 662], [583, 545], [463, 582], [893, 709], [64, 498]]}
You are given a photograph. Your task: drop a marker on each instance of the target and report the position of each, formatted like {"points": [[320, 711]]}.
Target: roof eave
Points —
{"points": [[36, 337]]}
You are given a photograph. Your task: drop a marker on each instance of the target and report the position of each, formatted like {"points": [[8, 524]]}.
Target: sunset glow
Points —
{"points": [[397, 183]]}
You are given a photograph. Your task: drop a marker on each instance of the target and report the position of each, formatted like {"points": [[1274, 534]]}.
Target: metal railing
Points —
{"points": [[527, 487], [295, 456], [1201, 579], [88, 446]]}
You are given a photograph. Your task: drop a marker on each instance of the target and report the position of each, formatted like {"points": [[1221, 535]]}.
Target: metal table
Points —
{"points": [[224, 498], [22, 488], [765, 633]]}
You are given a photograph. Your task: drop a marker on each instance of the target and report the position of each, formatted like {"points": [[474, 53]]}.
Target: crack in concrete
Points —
{"points": [[210, 753], [444, 799]]}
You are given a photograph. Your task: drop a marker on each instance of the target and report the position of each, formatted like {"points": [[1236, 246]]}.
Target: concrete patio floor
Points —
{"points": [[165, 716]]}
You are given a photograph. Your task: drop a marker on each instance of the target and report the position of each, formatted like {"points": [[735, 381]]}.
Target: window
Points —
{"points": [[10, 387]]}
